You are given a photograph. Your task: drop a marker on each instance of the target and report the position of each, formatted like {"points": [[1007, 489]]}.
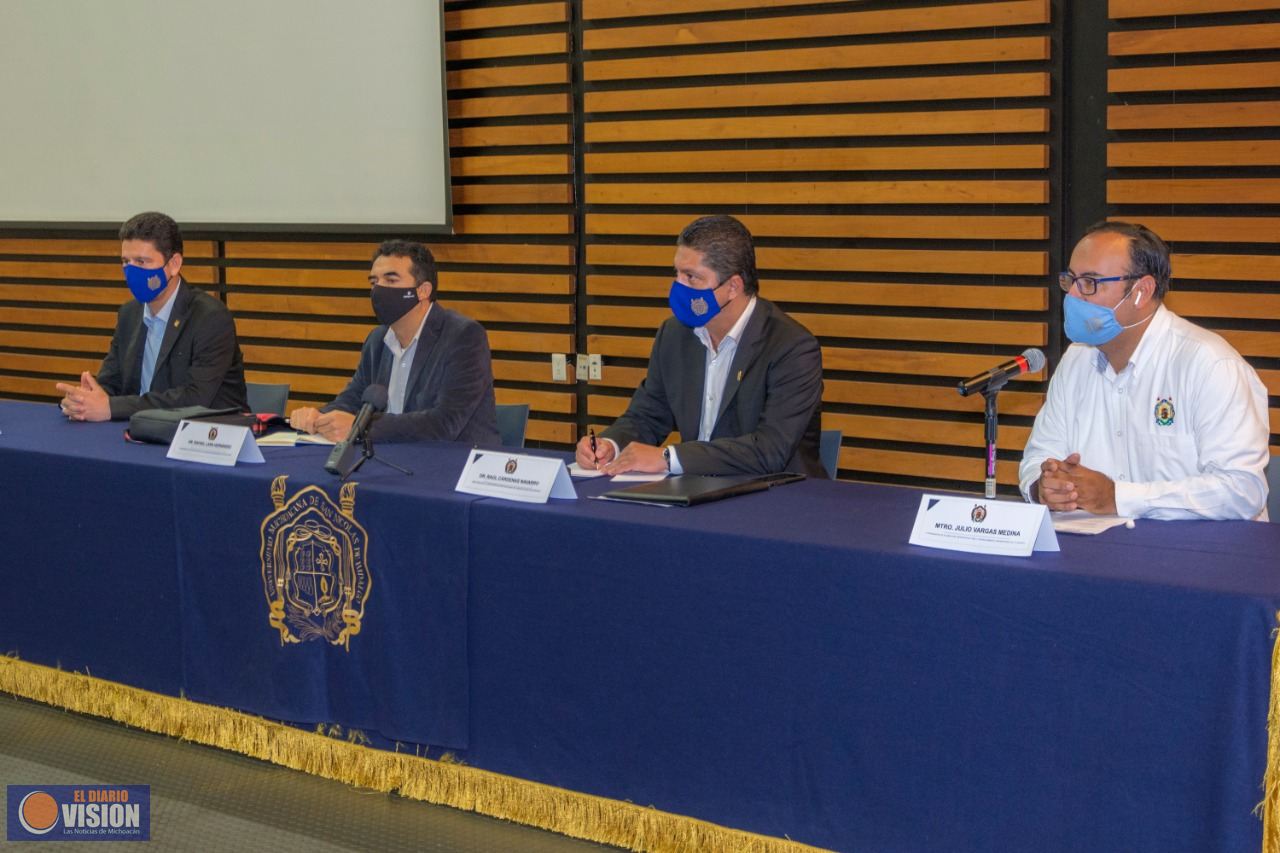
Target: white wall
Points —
{"points": [[226, 113]]}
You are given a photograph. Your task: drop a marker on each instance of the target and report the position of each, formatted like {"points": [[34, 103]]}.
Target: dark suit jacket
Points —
{"points": [[199, 363], [770, 414], [449, 395]]}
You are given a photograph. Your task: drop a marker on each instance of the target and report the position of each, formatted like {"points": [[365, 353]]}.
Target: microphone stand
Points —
{"points": [[990, 396], [990, 383], [367, 454]]}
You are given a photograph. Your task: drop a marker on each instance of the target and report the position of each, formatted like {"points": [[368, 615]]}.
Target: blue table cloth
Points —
{"points": [[149, 572], [786, 663]]}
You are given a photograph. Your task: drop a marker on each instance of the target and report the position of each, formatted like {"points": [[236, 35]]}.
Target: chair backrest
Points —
{"points": [[1273, 483], [829, 450], [512, 419], [267, 397]]}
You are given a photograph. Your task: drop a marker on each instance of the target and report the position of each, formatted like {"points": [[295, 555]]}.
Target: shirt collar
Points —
{"points": [[393, 343], [165, 312], [1155, 330], [735, 333]]}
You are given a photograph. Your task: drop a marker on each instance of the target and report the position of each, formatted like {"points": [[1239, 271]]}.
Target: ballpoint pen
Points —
{"points": [[591, 433]]}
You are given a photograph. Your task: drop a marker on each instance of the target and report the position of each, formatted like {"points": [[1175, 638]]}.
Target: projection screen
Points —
{"points": [[237, 114]]}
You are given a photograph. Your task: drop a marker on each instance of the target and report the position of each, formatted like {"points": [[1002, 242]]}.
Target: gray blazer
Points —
{"points": [[199, 363], [770, 416], [449, 395]]}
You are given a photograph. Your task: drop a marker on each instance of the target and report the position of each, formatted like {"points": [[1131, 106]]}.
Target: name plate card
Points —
{"points": [[983, 526], [515, 477], [213, 444]]}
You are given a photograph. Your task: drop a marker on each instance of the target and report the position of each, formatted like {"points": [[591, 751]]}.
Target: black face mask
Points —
{"points": [[392, 303]]}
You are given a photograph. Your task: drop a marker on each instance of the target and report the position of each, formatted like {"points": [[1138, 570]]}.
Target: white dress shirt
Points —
{"points": [[402, 365], [1182, 430]]}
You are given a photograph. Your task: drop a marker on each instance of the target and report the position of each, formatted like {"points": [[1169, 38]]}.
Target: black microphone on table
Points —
{"points": [[341, 458], [1031, 361]]}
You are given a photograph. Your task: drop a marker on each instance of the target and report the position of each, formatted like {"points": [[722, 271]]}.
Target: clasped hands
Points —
{"points": [[1065, 485], [86, 401], [634, 457], [334, 425]]}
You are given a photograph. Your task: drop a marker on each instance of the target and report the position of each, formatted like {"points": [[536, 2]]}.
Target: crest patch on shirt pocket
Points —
{"points": [[1164, 411]]}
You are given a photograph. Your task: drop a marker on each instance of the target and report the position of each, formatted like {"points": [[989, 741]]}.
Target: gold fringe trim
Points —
{"points": [[1271, 782], [446, 783]]}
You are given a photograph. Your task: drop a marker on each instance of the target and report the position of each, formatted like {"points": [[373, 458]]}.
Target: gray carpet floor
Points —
{"points": [[204, 799]]}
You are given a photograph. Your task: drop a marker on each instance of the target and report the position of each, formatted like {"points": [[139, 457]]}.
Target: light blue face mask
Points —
{"points": [[1089, 323], [145, 284], [692, 306]]}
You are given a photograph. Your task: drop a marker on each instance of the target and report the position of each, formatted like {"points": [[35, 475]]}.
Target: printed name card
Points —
{"points": [[213, 444], [983, 526], [515, 476]]}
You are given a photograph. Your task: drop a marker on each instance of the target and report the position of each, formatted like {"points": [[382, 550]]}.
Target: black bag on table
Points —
{"points": [[158, 426]]}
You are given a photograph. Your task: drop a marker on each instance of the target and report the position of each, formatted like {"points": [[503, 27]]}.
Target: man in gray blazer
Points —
{"points": [[739, 379], [434, 362], [174, 345]]}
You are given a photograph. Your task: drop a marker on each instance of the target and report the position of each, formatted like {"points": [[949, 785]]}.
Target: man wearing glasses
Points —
{"points": [[1147, 415]]}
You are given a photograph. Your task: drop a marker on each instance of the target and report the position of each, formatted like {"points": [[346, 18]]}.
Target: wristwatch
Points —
{"points": [[666, 457]]}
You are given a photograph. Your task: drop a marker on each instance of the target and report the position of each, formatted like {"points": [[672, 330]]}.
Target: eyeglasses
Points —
{"points": [[1088, 284]]}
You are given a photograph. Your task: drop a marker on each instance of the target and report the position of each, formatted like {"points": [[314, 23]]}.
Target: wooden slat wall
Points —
{"points": [[1193, 152], [893, 163]]}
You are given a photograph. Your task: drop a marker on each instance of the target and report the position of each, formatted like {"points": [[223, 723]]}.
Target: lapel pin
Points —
{"points": [[739, 375]]}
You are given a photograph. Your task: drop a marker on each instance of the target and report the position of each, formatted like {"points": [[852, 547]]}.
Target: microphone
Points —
{"points": [[994, 379], [344, 452]]}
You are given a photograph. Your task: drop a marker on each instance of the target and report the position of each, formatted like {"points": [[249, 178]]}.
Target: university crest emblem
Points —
{"points": [[699, 306], [979, 514], [1164, 411], [314, 565]]}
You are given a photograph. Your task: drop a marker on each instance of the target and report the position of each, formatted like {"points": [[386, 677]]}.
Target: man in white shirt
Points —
{"points": [[1147, 415], [739, 379]]}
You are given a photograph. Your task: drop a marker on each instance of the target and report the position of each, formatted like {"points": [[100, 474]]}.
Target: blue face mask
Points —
{"points": [[145, 284], [692, 306], [1089, 323]]}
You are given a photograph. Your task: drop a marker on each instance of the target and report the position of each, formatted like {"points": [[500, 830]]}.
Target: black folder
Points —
{"points": [[691, 489]]}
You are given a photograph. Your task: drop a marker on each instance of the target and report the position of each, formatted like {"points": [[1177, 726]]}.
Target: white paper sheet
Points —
{"points": [[1086, 523]]}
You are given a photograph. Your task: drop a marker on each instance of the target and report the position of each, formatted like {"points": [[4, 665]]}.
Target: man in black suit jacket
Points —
{"points": [[739, 379], [434, 362], [174, 345]]}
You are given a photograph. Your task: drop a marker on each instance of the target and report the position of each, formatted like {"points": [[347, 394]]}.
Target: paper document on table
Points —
{"points": [[576, 470], [289, 438], [1079, 521], [638, 477]]}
